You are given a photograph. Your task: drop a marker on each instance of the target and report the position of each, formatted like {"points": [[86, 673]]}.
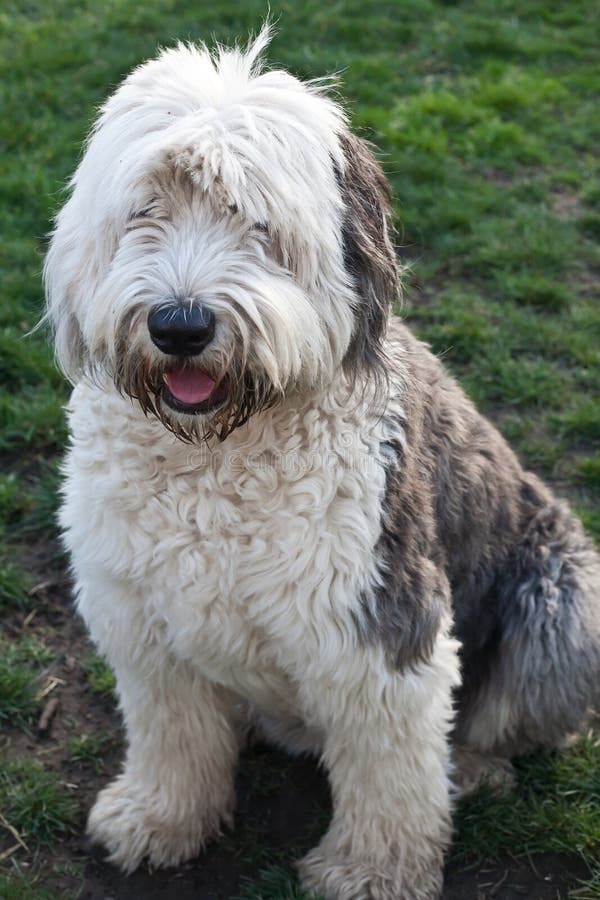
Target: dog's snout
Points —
{"points": [[181, 329]]}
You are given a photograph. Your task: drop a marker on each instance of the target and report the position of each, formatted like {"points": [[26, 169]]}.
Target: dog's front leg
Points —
{"points": [[386, 750], [177, 785]]}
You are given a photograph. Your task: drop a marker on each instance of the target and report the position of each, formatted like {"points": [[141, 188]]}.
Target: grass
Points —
{"points": [[275, 883], [89, 750], [34, 802], [588, 891], [22, 886], [589, 470], [14, 586], [556, 806], [20, 665], [485, 115], [100, 677]]}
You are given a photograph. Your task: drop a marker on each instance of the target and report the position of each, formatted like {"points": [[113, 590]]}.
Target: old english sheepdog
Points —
{"points": [[280, 509]]}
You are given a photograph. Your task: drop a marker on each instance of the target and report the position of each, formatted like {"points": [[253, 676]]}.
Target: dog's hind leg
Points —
{"points": [[533, 682]]}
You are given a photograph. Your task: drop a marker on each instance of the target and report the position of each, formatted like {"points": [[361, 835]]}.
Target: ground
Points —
{"points": [[485, 116]]}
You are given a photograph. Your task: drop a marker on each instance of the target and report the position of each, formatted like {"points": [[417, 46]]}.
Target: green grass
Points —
{"points": [[35, 803], [20, 666], [89, 750], [485, 113], [22, 886], [14, 586], [277, 882], [556, 806], [589, 470], [100, 677], [590, 890]]}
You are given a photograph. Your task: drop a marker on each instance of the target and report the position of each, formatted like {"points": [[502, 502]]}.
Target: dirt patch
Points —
{"points": [[213, 877], [277, 824], [565, 204], [498, 177], [547, 876]]}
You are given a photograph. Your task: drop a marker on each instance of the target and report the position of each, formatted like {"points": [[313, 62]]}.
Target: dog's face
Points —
{"points": [[225, 243]]}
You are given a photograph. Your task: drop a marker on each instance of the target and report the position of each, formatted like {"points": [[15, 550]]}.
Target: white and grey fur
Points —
{"points": [[327, 550]]}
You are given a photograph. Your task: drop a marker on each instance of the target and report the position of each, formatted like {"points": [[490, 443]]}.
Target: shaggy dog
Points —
{"points": [[280, 509]]}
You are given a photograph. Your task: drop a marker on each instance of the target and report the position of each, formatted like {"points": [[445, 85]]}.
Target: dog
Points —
{"points": [[282, 513]]}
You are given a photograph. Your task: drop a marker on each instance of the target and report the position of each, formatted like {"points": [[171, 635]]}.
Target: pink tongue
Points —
{"points": [[189, 385]]}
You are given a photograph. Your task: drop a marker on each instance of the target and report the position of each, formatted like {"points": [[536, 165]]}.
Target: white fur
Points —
{"points": [[210, 577], [256, 142], [213, 576]]}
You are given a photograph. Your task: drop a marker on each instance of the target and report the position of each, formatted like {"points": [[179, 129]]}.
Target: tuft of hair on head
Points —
{"points": [[256, 45], [246, 61]]}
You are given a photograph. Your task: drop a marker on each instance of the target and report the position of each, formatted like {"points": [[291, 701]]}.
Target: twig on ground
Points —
{"points": [[52, 682], [533, 868], [50, 582], [498, 884], [14, 832], [29, 618], [48, 714], [6, 853]]}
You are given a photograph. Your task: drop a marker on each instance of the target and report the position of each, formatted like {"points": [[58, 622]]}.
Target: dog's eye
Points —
{"points": [[233, 208], [147, 212], [141, 214], [260, 226]]}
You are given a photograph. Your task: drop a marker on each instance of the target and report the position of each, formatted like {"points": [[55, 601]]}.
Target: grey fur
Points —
{"points": [[524, 579], [407, 606], [369, 254], [463, 523]]}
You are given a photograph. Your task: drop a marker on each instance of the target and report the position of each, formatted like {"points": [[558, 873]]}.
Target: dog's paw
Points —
{"points": [[473, 769], [344, 878], [133, 824]]}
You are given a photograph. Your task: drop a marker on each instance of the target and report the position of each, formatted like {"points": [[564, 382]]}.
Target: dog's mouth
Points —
{"points": [[192, 391]]}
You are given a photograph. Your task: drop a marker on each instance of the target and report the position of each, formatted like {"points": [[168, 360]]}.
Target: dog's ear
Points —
{"points": [[69, 346], [369, 254], [70, 278]]}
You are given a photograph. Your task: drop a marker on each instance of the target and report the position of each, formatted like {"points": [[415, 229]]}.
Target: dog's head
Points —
{"points": [[224, 245]]}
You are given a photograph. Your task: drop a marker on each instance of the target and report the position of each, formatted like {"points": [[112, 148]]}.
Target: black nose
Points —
{"points": [[181, 329]]}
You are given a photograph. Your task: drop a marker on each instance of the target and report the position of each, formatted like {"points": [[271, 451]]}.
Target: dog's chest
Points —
{"points": [[271, 557], [248, 558]]}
